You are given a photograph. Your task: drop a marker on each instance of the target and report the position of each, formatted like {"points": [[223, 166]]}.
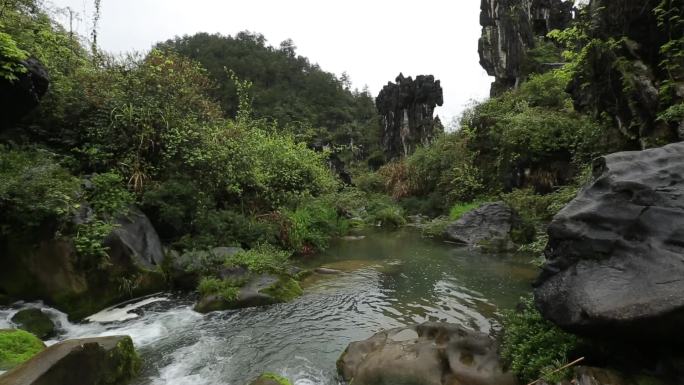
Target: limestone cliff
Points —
{"points": [[510, 29], [407, 108]]}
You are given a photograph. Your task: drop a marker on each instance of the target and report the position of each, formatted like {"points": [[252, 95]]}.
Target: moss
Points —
{"points": [[459, 209], [272, 378], [17, 346], [286, 289], [124, 362]]}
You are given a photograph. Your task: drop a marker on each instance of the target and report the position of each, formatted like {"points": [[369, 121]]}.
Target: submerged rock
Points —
{"points": [[492, 226], [615, 257], [87, 361], [34, 321], [271, 379], [427, 354]]}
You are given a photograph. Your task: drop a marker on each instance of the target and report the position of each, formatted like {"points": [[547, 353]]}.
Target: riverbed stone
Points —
{"points": [[88, 361], [34, 321], [615, 257], [492, 226], [426, 354]]}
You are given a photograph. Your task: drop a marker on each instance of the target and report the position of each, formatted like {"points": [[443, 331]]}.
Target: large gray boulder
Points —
{"points": [[615, 257], [427, 354], [489, 226], [88, 361], [135, 240]]}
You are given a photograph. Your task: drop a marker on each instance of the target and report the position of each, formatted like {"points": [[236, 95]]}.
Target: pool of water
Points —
{"points": [[388, 279]]}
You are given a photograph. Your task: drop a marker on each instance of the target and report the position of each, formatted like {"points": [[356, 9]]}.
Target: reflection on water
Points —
{"points": [[387, 280]]}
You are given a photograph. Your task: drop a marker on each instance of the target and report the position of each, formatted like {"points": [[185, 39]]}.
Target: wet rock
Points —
{"points": [[34, 321], [427, 354], [490, 226], [326, 271], [38, 267], [407, 108], [21, 96], [258, 290], [510, 28], [88, 361], [615, 257]]}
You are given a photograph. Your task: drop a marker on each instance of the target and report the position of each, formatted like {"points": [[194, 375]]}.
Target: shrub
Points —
{"points": [[214, 286], [311, 225], [264, 258], [108, 195], [534, 346], [17, 346], [34, 188]]}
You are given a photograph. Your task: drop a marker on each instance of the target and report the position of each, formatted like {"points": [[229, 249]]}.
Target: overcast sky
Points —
{"points": [[372, 40]]}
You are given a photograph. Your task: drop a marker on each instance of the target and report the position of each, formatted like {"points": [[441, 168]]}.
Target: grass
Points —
{"points": [[216, 286], [17, 346]]}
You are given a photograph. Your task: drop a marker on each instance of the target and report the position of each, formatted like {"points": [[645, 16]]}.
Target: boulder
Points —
{"points": [[21, 96], [615, 257], [135, 240], [88, 361], [34, 321], [256, 290], [37, 267], [492, 226], [427, 354]]}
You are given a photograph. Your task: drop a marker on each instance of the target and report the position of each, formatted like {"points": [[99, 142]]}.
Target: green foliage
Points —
{"points": [[263, 258], [17, 346], [10, 58], [436, 227], [215, 286], [313, 105], [89, 245], [533, 346], [108, 195], [459, 209], [285, 290], [34, 188], [311, 225]]}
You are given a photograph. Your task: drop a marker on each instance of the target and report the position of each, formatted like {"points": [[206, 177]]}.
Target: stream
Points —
{"points": [[388, 279]]}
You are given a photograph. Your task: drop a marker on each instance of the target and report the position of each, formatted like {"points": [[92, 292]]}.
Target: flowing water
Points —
{"points": [[387, 280]]}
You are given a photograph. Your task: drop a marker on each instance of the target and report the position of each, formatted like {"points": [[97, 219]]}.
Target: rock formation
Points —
{"points": [[615, 257], [407, 108], [491, 226], [509, 29], [21, 96], [427, 354]]}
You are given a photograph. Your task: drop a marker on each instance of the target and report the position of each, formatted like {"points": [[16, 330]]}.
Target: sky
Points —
{"points": [[372, 40]]}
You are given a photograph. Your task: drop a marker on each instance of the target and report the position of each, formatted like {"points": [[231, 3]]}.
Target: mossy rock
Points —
{"points": [[271, 379], [259, 290], [17, 346], [102, 360], [285, 290], [35, 321]]}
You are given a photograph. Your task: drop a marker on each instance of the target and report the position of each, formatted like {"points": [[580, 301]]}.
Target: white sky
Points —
{"points": [[372, 40]]}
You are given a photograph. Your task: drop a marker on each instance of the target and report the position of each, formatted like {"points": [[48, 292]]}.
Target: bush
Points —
{"points": [[264, 258], [533, 346], [34, 188], [311, 225], [17, 346]]}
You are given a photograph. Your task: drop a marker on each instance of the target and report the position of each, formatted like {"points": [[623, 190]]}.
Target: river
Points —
{"points": [[389, 279]]}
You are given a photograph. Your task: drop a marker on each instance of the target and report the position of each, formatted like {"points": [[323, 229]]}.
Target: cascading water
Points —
{"points": [[389, 280]]}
